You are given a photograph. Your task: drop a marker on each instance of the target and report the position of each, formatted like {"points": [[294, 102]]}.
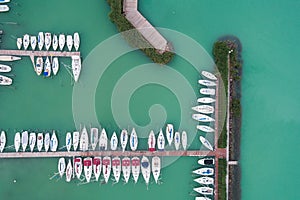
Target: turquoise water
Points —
{"points": [[269, 33]]}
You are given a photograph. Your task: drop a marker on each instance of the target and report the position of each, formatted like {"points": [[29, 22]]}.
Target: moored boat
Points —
{"points": [[47, 142], [103, 140], [206, 143], [2, 141], [206, 100], [94, 138], [116, 167], [204, 190], [206, 161], [55, 65], [61, 41], [207, 83], [41, 40], [17, 141], [4, 80], [4, 8], [205, 180], [33, 42], [206, 109], [47, 68], [19, 42], [207, 91], [184, 140], [209, 75], [126, 170], [4, 1], [76, 67], [177, 140], [156, 166], [84, 140], [55, 42], [69, 42], [39, 65], [53, 142], [40, 141], [206, 129], [151, 141], [114, 142], [124, 139], [75, 140], [5, 68], [202, 118], [161, 141], [61, 166], [26, 41], [88, 168], [135, 168], [146, 169], [106, 168], [9, 58], [133, 141], [78, 167], [202, 198], [170, 133], [76, 41], [204, 171], [68, 141], [24, 140], [48, 40], [69, 171], [97, 165]]}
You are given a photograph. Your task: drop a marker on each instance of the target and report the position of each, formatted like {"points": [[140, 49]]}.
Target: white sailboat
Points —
{"points": [[4, 8], [151, 141], [55, 65], [206, 129], [75, 140], [32, 141], [40, 141], [76, 67], [177, 140], [19, 42], [68, 141], [103, 140], [2, 141], [76, 41], [9, 58], [26, 41], [47, 142], [204, 190], [88, 168], [156, 166], [5, 68], [33, 42], [94, 138], [205, 180], [55, 42], [39, 65], [24, 140], [146, 169], [207, 83], [206, 143], [4, 80], [47, 68], [206, 161], [69, 42], [61, 166], [41, 40], [116, 167], [209, 75], [114, 142], [206, 109], [48, 40], [133, 140], [207, 91], [69, 171], [4, 1], [202, 118], [78, 167], [126, 168], [202, 198], [97, 165], [53, 142], [124, 139], [161, 141], [184, 140], [170, 133], [206, 100], [204, 171], [17, 141], [84, 140], [135, 168], [106, 168], [61, 41]]}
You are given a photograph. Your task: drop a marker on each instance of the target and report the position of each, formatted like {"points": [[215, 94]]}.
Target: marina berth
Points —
{"points": [[97, 165], [124, 139], [106, 168], [61, 166], [116, 167], [68, 141], [17, 141], [126, 168], [76, 136], [33, 42], [209, 75], [24, 140], [170, 133], [204, 171], [177, 140], [69, 171], [184, 140], [207, 83], [88, 168], [61, 41], [206, 109], [202, 118], [204, 190], [9, 58], [151, 141], [135, 167], [19, 42], [206, 143], [94, 138], [41, 40], [4, 80], [206, 100], [205, 180], [133, 140], [84, 140], [40, 141], [5, 68], [47, 142], [156, 166], [103, 140], [39, 65], [208, 91], [206, 129], [78, 167], [114, 142], [4, 8], [2, 141], [32, 141], [160, 141], [76, 41]]}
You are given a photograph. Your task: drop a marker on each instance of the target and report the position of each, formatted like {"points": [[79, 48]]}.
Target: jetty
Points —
{"points": [[143, 26]]}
